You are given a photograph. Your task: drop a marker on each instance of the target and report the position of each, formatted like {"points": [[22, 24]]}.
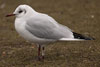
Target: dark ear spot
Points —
{"points": [[25, 11]]}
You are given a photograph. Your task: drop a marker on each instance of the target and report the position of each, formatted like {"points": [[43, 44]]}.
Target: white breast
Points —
{"points": [[20, 28]]}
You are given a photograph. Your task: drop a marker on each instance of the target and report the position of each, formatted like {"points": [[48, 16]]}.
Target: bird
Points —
{"points": [[42, 29]]}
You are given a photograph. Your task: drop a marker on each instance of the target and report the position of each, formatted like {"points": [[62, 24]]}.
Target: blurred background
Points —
{"points": [[81, 16]]}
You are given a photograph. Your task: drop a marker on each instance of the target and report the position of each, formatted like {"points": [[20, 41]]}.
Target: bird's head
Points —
{"points": [[22, 11]]}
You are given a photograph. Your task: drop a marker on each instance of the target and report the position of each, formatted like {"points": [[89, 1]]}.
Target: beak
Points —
{"points": [[10, 15]]}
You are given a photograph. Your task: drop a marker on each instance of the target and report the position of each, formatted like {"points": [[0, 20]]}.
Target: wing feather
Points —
{"points": [[46, 27]]}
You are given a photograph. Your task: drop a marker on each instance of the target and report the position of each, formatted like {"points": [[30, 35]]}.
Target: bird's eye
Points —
{"points": [[20, 11]]}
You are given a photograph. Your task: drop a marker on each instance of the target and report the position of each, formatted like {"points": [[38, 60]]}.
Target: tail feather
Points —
{"points": [[79, 36], [70, 39]]}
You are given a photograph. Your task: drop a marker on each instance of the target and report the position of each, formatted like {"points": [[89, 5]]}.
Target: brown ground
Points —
{"points": [[82, 16]]}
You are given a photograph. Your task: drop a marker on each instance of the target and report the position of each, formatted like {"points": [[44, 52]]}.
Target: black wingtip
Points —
{"points": [[79, 36], [89, 38]]}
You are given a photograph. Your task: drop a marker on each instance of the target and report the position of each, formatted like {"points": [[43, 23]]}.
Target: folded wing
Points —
{"points": [[44, 26]]}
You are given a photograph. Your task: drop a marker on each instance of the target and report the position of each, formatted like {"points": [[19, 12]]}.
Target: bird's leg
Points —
{"points": [[43, 52], [39, 52]]}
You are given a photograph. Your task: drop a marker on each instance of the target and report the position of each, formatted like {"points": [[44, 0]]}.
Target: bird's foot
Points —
{"points": [[41, 58]]}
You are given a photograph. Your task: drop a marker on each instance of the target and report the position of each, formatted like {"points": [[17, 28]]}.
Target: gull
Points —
{"points": [[42, 29]]}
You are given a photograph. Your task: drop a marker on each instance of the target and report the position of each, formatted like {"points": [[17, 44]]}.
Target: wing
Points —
{"points": [[43, 26]]}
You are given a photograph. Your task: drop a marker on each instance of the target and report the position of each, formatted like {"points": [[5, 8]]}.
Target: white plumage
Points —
{"points": [[40, 28]]}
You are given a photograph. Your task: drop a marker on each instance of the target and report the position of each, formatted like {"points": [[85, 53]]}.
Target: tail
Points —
{"points": [[70, 39], [79, 36]]}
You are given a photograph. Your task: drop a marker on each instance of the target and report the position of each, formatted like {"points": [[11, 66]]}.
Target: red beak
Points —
{"points": [[10, 15]]}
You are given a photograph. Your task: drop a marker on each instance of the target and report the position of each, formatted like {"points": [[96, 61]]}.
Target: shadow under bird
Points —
{"points": [[42, 29]]}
